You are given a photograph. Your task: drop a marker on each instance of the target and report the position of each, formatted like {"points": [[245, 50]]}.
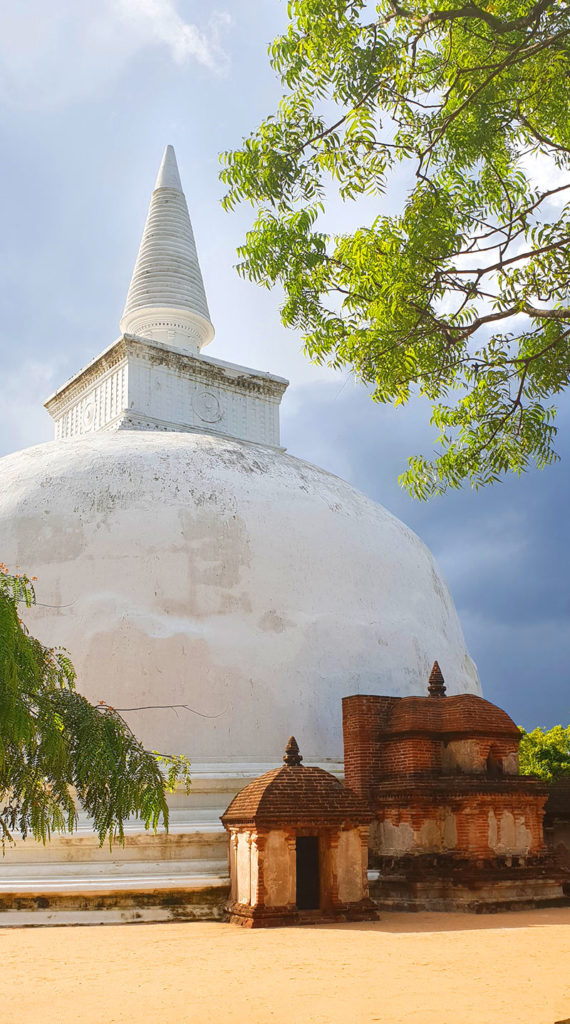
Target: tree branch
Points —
{"points": [[472, 11]]}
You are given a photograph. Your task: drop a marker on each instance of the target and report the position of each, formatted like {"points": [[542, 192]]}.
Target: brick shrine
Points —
{"points": [[298, 848], [455, 825]]}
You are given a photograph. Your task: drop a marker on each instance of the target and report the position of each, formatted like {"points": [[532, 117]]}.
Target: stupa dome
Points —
{"points": [[184, 568]]}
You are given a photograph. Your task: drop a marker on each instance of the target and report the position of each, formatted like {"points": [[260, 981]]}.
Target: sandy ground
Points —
{"points": [[424, 968]]}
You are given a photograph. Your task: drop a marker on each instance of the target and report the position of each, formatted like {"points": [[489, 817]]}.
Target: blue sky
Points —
{"points": [[90, 93]]}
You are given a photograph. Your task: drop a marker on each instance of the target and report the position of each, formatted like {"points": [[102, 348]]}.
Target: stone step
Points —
{"points": [[188, 840], [99, 877], [193, 890]]}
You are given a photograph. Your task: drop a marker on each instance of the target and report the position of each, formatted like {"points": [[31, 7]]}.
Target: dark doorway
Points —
{"points": [[308, 889]]}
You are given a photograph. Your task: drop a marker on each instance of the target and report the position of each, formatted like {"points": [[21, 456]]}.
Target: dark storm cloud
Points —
{"points": [[503, 550]]}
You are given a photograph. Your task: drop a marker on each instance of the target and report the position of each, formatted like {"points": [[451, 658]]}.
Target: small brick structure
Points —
{"points": [[455, 825], [298, 848]]}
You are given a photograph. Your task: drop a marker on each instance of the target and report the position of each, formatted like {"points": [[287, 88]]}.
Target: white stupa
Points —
{"points": [[183, 558]]}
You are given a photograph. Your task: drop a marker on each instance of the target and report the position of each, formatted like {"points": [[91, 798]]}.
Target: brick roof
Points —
{"points": [[296, 795], [466, 713]]}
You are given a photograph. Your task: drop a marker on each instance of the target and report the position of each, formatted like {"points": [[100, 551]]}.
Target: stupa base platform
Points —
{"points": [[113, 900], [182, 874], [440, 884], [179, 875]]}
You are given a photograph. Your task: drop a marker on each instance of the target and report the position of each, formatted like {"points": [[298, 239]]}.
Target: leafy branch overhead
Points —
{"points": [[56, 748], [462, 291]]}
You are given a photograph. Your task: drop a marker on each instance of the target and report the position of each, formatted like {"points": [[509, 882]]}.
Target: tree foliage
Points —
{"points": [[57, 748], [461, 292], [546, 753]]}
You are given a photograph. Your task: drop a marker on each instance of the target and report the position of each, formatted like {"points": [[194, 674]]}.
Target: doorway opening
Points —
{"points": [[308, 882]]}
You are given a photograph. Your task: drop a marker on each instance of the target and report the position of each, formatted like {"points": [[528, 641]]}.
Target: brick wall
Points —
{"points": [[482, 826], [424, 766], [362, 719]]}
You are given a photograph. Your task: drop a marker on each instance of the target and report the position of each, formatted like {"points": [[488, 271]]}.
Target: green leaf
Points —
{"points": [[57, 749], [460, 290]]}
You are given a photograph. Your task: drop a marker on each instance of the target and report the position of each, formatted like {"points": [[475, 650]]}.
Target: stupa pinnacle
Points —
{"points": [[166, 300], [168, 174], [154, 377]]}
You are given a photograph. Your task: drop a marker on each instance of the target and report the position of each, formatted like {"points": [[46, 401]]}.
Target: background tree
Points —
{"points": [[462, 294], [56, 747], [546, 754]]}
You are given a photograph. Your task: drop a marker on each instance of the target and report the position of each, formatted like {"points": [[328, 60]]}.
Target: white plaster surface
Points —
{"points": [[465, 755], [449, 830], [278, 870], [243, 868], [349, 866], [254, 869], [434, 836], [393, 839], [508, 833], [232, 864], [251, 586]]}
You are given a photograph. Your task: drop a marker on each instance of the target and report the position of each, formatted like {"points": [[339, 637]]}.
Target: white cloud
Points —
{"points": [[62, 52], [159, 21], [544, 174]]}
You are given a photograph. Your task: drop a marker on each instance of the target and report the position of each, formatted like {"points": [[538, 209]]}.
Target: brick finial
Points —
{"points": [[436, 686], [292, 755]]}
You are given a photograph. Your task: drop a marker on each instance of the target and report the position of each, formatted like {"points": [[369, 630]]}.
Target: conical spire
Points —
{"points": [[292, 755], [166, 299], [168, 174], [436, 686]]}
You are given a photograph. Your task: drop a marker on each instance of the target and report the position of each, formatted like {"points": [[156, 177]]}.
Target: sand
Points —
{"points": [[425, 968]]}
